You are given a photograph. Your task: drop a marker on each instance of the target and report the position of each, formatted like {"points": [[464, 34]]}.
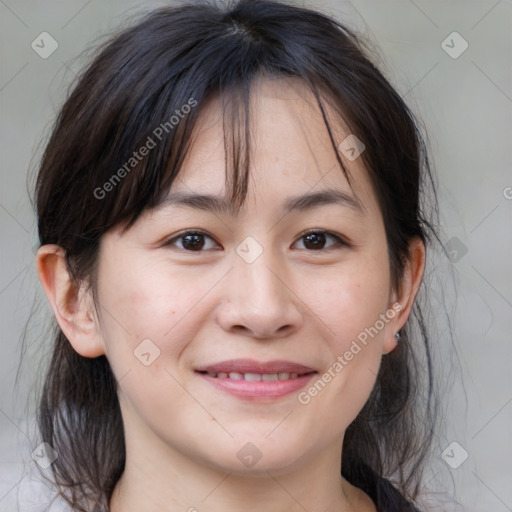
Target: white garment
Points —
{"points": [[23, 487]]}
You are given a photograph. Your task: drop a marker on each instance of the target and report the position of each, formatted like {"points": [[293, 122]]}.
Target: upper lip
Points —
{"points": [[252, 366]]}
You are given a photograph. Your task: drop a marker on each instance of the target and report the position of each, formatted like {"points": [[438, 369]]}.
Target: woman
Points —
{"points": [[232, 242]]}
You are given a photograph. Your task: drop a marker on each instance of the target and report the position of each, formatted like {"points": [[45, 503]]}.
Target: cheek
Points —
{"points": [[351, 306], [141, 301], [354, 300], [149, 316], [357, 301]]}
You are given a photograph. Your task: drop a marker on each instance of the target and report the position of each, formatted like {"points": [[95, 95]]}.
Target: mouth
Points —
{"points": [[254, 377], [257, 380]]}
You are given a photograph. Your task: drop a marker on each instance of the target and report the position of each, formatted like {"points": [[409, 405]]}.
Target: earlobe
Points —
{"points": [[72, 304], [408, 289]]}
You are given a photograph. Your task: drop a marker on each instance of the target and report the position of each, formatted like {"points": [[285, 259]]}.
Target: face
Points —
{"points": [[268, 290]]}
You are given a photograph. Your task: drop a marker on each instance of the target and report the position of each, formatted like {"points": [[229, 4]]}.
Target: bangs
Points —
{"points": [[169, 143], [135, 108], [152, 179]]}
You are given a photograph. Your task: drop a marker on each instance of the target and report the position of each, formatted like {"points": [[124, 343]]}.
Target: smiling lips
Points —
{"points": [[252, 379]]}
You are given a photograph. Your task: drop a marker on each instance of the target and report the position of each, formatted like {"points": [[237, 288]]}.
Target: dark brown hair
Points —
{"points": [[139, 80]]}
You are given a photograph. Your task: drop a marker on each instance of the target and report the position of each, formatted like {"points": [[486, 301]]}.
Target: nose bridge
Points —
{"points": [[259, 300], [255, 274]]}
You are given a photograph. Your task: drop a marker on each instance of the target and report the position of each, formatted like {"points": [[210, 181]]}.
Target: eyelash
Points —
{"points": [[340, 241]]}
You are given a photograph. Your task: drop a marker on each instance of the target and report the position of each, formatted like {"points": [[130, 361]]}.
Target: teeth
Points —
{"points": [[254, 377]]}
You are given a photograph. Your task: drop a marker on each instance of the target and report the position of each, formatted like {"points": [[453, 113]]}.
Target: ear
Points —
{"points": [[72, 305], [409, 285]]}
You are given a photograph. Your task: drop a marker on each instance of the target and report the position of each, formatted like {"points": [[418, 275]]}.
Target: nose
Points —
{"points": [[260, 301]]}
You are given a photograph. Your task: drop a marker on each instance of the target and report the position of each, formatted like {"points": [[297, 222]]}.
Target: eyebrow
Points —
{"points": [[299, 203]]}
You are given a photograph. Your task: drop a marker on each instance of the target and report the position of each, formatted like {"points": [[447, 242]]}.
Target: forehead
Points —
{"points": [[291, 151]]}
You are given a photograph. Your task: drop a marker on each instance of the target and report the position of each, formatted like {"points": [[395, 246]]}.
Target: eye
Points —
{"points": [[315, 240], [192, 241], [197, 241]]}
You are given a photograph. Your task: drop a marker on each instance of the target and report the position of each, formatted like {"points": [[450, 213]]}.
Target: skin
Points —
{"points": [[293, 303]]}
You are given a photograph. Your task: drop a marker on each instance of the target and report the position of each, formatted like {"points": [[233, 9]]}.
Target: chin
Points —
{"points": [[258, 458]]}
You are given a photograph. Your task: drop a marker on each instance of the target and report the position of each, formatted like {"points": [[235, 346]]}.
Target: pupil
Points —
{"points": [[197, 241], [318, 239]]}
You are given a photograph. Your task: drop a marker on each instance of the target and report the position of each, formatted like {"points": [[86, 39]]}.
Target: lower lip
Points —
{"points": [[259, 389]]}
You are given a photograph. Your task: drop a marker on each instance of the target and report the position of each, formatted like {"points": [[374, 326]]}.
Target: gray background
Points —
{"points": [[466, 105]]}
